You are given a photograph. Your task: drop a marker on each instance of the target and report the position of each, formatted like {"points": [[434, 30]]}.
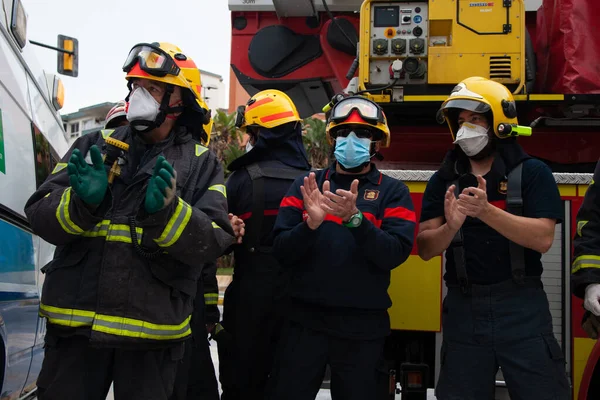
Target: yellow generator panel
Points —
{"points": [[441, 42]]}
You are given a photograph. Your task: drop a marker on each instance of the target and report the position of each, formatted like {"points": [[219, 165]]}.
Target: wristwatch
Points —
{"points": [[354, 220]]}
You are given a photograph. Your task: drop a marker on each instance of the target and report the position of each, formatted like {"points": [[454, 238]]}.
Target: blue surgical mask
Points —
{"points": [[352, 151]]}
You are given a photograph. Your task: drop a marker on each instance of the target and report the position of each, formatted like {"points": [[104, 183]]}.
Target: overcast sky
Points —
{"points": [[107, 29]]}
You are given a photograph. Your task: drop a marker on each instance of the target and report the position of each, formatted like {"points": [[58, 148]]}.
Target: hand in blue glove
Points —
{"points": [[88, 181], [161, 188]]}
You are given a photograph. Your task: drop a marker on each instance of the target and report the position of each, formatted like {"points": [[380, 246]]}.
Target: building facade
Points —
{"points": [[213, 90], [85, 120]]}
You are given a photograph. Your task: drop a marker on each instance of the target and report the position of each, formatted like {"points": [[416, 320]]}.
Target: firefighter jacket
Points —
{"points": [[340, 267], [210, 290], [121, 276], [259, 181], [586, 257]]}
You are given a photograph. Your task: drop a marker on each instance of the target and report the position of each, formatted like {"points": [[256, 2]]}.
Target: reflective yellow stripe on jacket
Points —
{"points": [[176, 225], [114, 232], [62, 214], [219, 188], [211, 299], [66, 317], [118, 326], [580, 225], [585, 261]]}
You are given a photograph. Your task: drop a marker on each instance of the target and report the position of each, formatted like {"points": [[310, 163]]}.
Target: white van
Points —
{"points": [[32, 140]]}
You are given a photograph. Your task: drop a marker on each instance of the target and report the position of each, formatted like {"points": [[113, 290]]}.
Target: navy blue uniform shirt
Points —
{"points": [[344, 273], [486, 251]]}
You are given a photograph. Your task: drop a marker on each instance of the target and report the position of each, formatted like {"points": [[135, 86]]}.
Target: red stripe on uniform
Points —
{"points": [[292, 202], [501, 204], [373, 219], [400, 212], [332, 218], [277, 116], [267, 213], [259, 103]]}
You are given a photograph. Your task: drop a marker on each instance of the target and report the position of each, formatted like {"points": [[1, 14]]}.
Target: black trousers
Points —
{"points": [[500, 326], [303, 355], [253, 310], [74, 370], [196, 378]]}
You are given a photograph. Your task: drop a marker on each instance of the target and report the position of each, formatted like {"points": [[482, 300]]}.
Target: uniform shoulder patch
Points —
{"points": [[200, 150], [371, 194], [106, 132], [59, 167], [503, 186]]}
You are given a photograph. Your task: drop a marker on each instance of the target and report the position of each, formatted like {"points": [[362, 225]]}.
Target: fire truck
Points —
{"points": [[32, 142], [407, 56]]}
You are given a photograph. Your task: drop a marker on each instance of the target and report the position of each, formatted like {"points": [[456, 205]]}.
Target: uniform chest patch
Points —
{"points": [[371, 195]]}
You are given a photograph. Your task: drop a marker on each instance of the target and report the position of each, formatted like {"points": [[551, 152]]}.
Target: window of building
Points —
{"points": [[45, 156], [74, 127]]}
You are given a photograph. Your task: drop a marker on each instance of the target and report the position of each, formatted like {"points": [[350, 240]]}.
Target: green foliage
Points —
{"points": [[225, 139], [315, 142]]}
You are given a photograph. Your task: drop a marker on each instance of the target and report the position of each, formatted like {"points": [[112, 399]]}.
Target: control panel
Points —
{"points": [[398, 35]]}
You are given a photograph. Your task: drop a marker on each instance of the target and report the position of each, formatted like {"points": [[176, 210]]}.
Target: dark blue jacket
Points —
{"points": [[340, 267], [280, 148]]}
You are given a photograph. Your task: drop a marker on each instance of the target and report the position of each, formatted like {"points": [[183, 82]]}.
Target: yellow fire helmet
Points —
{"points": [[480, 95], [267, 109], [165, 62], [358, 110]]}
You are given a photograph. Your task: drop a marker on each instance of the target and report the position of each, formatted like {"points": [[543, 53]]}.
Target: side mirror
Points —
{"points": [[68, 56], [18, 23]]}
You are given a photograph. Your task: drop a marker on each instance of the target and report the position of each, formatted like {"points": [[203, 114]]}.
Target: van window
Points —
{"points": [[45, 156]]}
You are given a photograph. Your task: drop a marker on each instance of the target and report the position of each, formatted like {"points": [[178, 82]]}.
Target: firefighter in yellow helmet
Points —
{"points": [[493, 209], [253, 303], [135, 212], [341, 231]]}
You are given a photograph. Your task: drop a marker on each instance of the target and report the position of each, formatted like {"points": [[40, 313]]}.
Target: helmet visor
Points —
{"points": [[152, 60], [368, 110], [471, 105]]}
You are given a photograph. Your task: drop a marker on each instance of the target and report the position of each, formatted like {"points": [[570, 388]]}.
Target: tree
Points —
{"points": [[315, 142], [226, 139]]}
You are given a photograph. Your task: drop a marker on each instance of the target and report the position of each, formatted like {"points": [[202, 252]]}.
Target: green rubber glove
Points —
{"points": [[161, 188], [88, 181]]}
